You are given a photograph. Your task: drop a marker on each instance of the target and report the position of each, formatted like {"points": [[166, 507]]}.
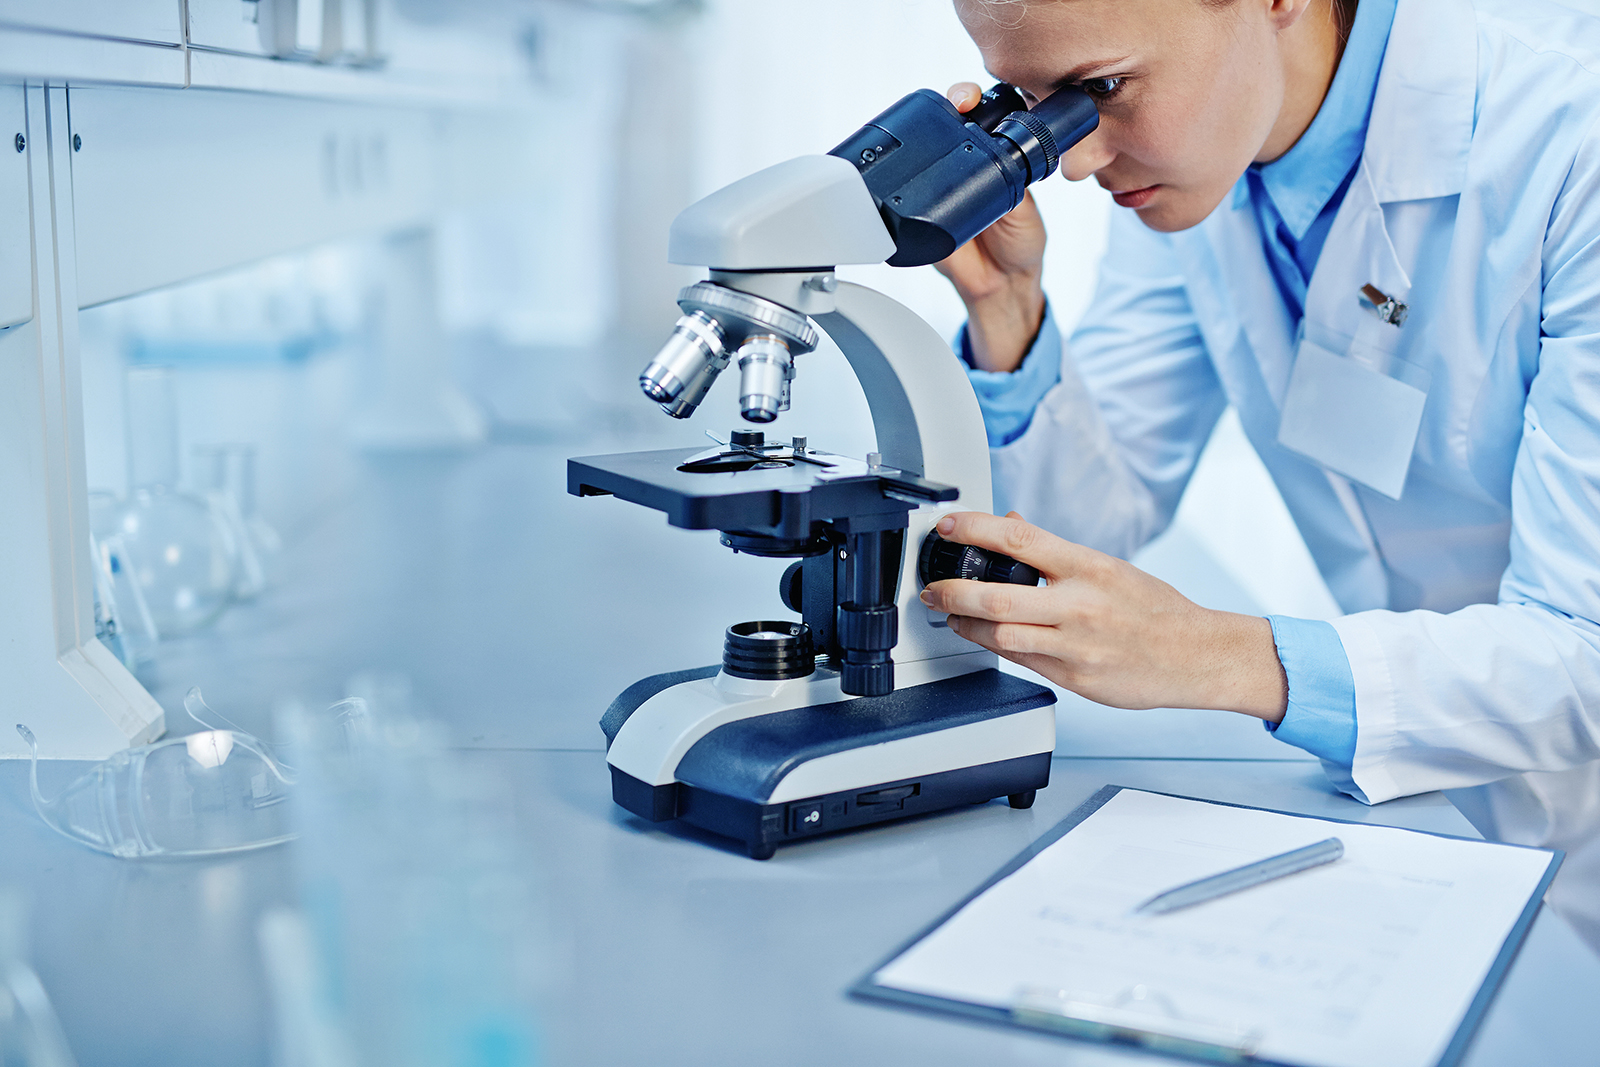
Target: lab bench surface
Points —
{"points": [[672, 949]]}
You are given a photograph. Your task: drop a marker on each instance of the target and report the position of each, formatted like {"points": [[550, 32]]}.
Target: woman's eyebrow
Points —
{"points": [[1077, 73], [1083, 69]]}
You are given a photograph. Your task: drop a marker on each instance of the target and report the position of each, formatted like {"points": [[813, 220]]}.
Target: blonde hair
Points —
{"points": [[1343, 11], [995, 7]]}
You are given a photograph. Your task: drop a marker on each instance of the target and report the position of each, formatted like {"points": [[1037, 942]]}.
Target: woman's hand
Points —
{"points": [[1107, 630], [997, 275]]}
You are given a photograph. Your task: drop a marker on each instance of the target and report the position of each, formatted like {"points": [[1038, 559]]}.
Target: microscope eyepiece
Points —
{"points": [[940, 178], [1042, 133]]}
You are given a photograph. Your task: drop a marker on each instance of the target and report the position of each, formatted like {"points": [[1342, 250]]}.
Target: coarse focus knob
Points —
{"points": [[941, 559]]}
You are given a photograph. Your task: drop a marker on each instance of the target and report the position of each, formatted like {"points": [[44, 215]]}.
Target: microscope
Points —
{"points": [[867, 708]]}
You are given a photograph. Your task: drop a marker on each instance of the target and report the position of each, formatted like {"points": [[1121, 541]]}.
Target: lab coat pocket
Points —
{"points": [[1356, 414]]}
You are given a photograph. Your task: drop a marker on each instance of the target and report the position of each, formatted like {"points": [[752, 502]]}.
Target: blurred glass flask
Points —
{"points": [[30, 1032], [419, 939], [226, 473], [122, 619], [181, 553]]}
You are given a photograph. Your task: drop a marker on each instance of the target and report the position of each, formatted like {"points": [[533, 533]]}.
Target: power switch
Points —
{"points": [[805, 818]]}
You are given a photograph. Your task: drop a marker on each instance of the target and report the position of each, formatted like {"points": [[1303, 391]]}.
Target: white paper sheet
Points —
{"points": [[1370, 961]]}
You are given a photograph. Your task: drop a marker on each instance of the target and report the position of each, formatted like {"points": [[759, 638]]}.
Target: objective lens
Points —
{"points": [[765, 368], [697, 388], [696, 344]]}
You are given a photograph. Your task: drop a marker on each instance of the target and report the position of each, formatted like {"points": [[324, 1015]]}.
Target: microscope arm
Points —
{"points": [[924, 412]]}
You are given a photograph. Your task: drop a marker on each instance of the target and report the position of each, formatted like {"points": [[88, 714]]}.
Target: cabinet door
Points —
{"points": [[229, 26], [133, 20], [16, 247], [331, 31], [172, 184]]}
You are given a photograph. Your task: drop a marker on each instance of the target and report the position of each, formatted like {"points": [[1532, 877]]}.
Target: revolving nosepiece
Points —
{"points": [[765, 370], [695, 347], [717, 320]]}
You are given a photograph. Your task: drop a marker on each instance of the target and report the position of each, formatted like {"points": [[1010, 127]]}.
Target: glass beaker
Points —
{"points": [[227, 475], [122, 618], [180, 553]]}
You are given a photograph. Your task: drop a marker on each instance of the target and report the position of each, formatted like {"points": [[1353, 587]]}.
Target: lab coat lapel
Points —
{"points": [[1232, 287], [1420, 132], [1418, 138], [1358, 252], [1247, 329]]}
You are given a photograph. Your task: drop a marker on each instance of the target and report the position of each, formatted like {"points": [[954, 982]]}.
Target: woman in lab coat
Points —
{"points": [[1375, 231]]}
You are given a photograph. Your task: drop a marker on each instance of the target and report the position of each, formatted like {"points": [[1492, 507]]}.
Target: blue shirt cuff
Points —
{"points": [[1321, 717], [1008, 399]]}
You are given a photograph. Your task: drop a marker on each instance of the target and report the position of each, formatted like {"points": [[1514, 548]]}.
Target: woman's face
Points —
{"points": [[1188, 91]]}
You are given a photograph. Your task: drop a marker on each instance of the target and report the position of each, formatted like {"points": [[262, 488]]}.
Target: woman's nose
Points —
{"points": [[1087, 156]]}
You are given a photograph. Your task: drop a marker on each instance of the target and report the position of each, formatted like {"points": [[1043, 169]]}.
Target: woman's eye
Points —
{"points": [[1101, 88]]}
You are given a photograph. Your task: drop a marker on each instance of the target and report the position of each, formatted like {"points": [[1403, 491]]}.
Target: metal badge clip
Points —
{"points": [[1388, 308]]}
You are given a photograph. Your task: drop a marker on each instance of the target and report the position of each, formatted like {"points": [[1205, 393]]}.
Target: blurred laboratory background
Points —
{"points": [[361, 443]]}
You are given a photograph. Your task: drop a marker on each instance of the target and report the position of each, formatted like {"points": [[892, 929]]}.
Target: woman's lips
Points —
{"points": [[1135, 197]]}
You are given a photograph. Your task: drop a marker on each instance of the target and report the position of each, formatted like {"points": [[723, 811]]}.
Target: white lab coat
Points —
{"points": [[1473, 630]]}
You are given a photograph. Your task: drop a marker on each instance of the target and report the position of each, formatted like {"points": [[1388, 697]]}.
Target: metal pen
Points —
{"points": [[1251, 874]]}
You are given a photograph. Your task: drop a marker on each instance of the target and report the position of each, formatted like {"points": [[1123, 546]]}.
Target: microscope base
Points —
{"points": [[763, 827], [771, 777]]}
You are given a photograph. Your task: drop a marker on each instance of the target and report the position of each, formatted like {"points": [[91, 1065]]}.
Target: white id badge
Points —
{"points": [[1357, 414]]}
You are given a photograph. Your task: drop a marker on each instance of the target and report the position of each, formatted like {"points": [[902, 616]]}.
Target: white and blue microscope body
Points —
{"points": [[867, 708]]}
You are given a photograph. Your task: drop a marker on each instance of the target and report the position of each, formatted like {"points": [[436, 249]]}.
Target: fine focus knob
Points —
{"points": [[941, 559]]}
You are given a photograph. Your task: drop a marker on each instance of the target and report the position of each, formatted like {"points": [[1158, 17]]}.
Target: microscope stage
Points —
{"points": [[786, 496]]}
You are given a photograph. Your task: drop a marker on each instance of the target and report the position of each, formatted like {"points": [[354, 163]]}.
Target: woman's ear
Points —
{"points": [[1285, 13]]}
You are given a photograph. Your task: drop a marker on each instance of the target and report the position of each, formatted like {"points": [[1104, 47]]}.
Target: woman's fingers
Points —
{"points": [[995, 601], [1007, 638], [1050, 555], [964, 95]]}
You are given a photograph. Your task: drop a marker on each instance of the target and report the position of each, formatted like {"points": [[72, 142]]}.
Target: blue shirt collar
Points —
{"points": [[1302, 181]]}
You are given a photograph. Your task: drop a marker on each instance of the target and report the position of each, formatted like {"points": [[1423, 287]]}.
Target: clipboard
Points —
{"points": [[1051, 1011]]}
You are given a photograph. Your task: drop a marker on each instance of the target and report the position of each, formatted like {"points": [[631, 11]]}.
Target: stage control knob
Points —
{"points": [[941, 559]]}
